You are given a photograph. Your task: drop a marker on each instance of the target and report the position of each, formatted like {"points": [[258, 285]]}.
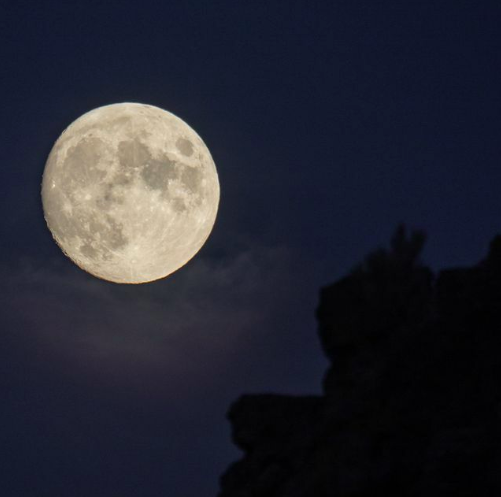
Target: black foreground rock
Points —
{"points": [[412, 400]]}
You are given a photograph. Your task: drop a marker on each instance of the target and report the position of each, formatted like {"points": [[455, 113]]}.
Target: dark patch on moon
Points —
{"points": [[185, 146], [178, 205], [157, 174], [109, 196], [132, 154], [122, 179], [134, 157], [105, 232], [111, 232], [81, 161], [89, 251], [191, 177]]}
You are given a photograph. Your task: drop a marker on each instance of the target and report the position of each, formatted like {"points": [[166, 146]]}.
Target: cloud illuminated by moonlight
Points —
{"points": [[182, 328]]}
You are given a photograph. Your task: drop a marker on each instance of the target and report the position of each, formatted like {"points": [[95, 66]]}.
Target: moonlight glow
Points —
{"points": [[130, 192]]}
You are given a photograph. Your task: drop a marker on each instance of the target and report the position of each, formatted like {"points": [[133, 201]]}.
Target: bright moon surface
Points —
{"points": [[130, 192]]}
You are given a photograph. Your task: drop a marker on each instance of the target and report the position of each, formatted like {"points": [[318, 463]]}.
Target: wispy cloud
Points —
{"points": [[181, 328]]}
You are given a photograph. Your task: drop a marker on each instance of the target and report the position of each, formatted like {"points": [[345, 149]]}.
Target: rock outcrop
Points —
{"points": [[412, 402]]}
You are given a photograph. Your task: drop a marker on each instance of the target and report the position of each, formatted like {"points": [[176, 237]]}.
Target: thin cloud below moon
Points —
{"points": [[184, 328]]}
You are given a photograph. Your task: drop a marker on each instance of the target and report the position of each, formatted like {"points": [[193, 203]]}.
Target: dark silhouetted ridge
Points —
{"points": [[412, 402]]}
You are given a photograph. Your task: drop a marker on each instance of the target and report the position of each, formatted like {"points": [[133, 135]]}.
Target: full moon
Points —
{"points": [[130, 192]]}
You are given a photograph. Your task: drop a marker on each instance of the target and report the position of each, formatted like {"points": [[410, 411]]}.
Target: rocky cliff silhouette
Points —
{"points": [[412, 401]]}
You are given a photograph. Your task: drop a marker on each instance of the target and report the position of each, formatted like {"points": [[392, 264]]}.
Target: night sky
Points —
{"points": [[329, 124]]}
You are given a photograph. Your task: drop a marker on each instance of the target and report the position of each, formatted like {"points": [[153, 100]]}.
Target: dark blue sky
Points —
{"points": [[329, 124]]}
